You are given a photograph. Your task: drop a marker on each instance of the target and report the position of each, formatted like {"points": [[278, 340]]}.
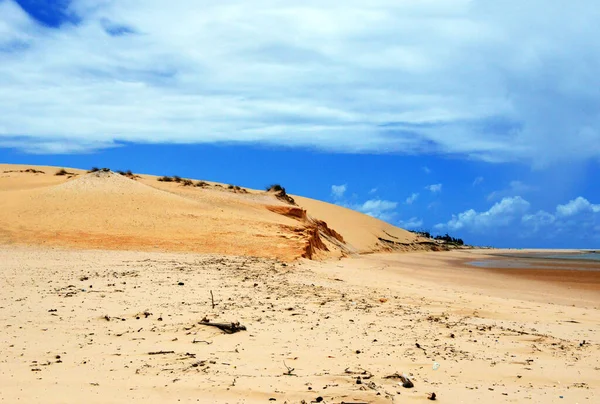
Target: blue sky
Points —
{"points": [[472, 117]]}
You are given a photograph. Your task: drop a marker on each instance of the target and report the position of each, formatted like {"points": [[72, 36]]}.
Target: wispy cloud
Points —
{"points": [[412, 198], [477, 181], [413, 223], [514, 188], [338, 191], [435, 188], [353, 76]]}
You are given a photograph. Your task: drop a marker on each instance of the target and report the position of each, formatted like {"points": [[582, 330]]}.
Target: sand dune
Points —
{"points": [[109, 210]]}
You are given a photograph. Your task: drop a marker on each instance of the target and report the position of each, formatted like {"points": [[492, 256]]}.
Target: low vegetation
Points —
{"points": [[62, 171], [202, 184], [445, 238], [28, 170], [280, 193], [164, 178], [450, 240], [187, 183], [96, 169], [275, 188]]}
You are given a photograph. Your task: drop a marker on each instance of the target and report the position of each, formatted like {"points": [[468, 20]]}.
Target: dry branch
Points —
{"points": [[229, 328]]}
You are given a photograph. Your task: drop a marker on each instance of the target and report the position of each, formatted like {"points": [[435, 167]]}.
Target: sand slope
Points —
{"points": [[111, 211]]}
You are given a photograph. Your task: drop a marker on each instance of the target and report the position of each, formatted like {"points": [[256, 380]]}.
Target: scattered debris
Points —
{"points": [[229, 328], [289, 370], [406, 382]]}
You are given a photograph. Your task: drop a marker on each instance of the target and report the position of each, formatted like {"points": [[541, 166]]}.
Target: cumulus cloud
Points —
{"points": [[502, 213], [480, 79], [338, 191], [578, 219], [412, 198], [434, 188], [577, 206], [379, 208]]}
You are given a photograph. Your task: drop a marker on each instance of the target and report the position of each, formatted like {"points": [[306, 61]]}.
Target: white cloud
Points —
{"points": [[575, 221], [338, 191], [538, 221], [412, 198], [378, 208], [411, 224], [434, 188], [477, 181], [426, 169], [502, 213], [577, 206], [514, 188], [385, 76], [373, 191]]}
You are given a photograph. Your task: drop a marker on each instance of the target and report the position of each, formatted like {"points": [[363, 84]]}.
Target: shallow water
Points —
{"points": [[541, 260]]}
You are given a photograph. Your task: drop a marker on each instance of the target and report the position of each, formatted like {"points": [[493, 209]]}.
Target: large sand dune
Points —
{"points": [[109, 210]]}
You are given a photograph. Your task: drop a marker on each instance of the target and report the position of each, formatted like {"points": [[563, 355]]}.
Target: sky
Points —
{"points": [[476, 118]]}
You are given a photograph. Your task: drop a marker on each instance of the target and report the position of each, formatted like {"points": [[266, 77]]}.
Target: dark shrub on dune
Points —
{"points": [[275, 188]]}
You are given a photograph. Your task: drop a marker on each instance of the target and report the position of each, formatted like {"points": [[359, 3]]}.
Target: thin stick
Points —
{"points": [[212, 298], [161, 352]]}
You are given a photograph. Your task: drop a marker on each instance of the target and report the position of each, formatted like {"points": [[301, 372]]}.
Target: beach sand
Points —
{"points": [[80, 326], [106, 282]]}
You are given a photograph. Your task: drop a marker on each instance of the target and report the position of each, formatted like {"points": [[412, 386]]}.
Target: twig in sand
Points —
{"points": [[161, 352], [289, 370], [196, 341], [212, 299], [229, 328]]}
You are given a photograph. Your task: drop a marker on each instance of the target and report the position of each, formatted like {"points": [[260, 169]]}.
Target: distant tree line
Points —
{"points": [[449, 239], [446, 237]]}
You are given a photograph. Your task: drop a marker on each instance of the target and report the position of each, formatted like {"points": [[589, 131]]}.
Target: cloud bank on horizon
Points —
{"points": [[577, 219], [495, 81]]}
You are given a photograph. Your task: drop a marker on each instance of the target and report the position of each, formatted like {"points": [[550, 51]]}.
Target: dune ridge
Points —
{"points": [[107, 210]]}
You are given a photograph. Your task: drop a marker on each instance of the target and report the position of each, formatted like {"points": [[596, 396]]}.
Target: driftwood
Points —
{"points": [[229, 328], [406, 382], [161, 352]]}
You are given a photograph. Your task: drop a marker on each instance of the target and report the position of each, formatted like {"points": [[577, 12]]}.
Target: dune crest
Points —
{"points": [[108, 210]]}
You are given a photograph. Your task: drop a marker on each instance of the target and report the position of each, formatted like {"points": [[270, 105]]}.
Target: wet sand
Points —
{"points": [[578, 274]]}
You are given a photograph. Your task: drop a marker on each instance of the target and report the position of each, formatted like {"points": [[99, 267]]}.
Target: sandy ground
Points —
{"points": [[115, 212], [121, 326]]}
